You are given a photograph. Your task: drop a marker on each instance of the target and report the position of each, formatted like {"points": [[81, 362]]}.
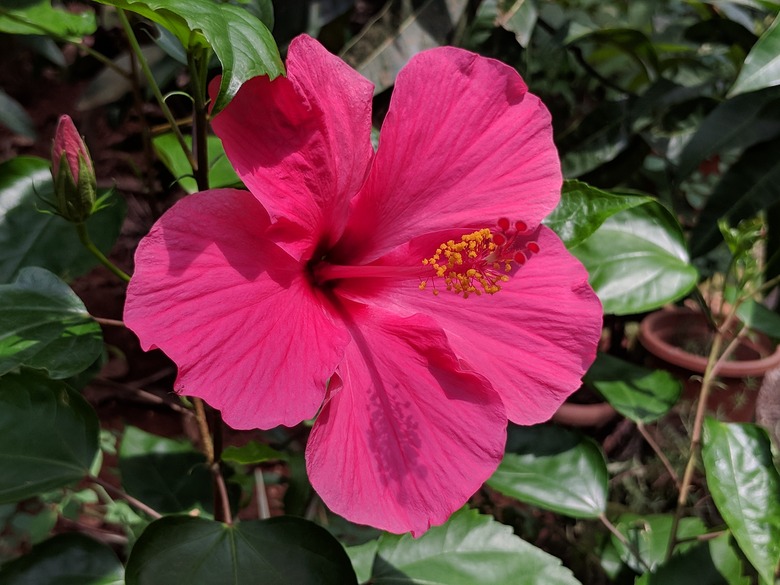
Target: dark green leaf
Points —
{"points": [[468, 549], [553, 468], [36, 17], [167, 474], [758, 317], [599, 138], [762, 65], [745, 487], [583, 209], [637, 260], [735, 124], [44, 325], [240, 40], [362, 558], [221, 173], [282, 551], [65, 559], [262, 9], [750, 185], [714, 562], [649, 536], [635, 392], [14, 117], [251, 453], [50, 435], [29, 237], [518, 17]]}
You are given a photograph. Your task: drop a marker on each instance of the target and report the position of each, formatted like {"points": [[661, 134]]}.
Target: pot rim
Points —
{"points": [[650, 339]]}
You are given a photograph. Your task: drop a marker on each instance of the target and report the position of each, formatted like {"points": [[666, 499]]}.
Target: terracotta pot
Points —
{"points": [[680, 339]]}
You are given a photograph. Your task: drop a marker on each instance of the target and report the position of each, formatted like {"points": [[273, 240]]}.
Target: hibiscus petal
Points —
{"points": [[462, 145], [237, 315], [302, 143], [409, 436], [533, 340]]}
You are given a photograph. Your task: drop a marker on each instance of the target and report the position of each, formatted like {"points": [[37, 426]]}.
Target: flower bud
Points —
{"points": [[75, 185]]}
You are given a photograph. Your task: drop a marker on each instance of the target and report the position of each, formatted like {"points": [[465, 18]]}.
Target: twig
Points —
{"points": [[127, 497], [222, 502], [624, 541], [111, 322], [263, 509], [657, 450]]}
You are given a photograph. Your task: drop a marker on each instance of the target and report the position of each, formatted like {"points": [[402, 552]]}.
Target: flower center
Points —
{"points": [[481, 260]]}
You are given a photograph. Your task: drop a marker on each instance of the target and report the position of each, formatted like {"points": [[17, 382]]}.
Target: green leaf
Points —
{"points": [[714, 562], [598, 139], [762, 65], [167, 474], [735, 124], [44, 325], [14, 117], [362, 558], [282, 551], [553, 468], [518, 17], [251, 453], [649, 536], [29, 237], [468, 549], [745, 487], [637, 260], [751, 185], [758, 317], [583, 209], [635, 392], [50, 435], [240, 40], [35, 17], [221, 173], [65, 559]]}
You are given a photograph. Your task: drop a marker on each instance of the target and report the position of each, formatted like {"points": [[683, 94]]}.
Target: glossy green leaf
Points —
{"points": [[251, 453], [167, 474], [262, 9], [762, 65], [282, 551], [14, 117], [582, 209], [36, 17], [242, 43], [745, 486], [29, 237], [44, 325], [649, 537], [553, 468], [750, 185], [714, 562], [468, 549], [735, 124], [65, 559], [50, 435], [221, 173], [362, 558], [637, 260], [635, 392]]}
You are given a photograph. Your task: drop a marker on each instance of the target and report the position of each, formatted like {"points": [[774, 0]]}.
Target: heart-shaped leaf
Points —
{"points": [[50, 435], [637, 260], [43, 324], [745, 487], [242, 43], [282, 551], [553, 468]]}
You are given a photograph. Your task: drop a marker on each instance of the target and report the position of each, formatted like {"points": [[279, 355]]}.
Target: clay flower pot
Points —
{"points": [[680, 338]]}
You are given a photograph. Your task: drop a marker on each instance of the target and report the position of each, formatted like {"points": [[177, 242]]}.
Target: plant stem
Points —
{"points": [[153, 85], [111, 322], [715, 360], [657, 450], [624, 541], [197, 66], [127, 497], [81, 228], [221, 501]]}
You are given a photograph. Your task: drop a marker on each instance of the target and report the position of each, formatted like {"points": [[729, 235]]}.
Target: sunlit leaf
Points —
{"points": [[553, 468], [221, 173], [762, 65], [745, 486]]}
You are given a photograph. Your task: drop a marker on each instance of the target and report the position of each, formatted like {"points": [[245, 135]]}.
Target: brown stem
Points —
{"points": [[657, 450], [104, 321], [221, 501], [622, 538]]}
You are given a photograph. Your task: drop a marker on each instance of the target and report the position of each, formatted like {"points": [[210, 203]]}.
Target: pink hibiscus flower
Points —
{"points": [[387, 289]]}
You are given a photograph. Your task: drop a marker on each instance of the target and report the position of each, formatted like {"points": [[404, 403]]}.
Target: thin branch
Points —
{"points": [[89, 245], [127, 497], [110, 322], [624, 541], [657, 450]]}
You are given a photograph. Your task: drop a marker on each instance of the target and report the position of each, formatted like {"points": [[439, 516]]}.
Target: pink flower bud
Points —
{"points": [[75, 184]]}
